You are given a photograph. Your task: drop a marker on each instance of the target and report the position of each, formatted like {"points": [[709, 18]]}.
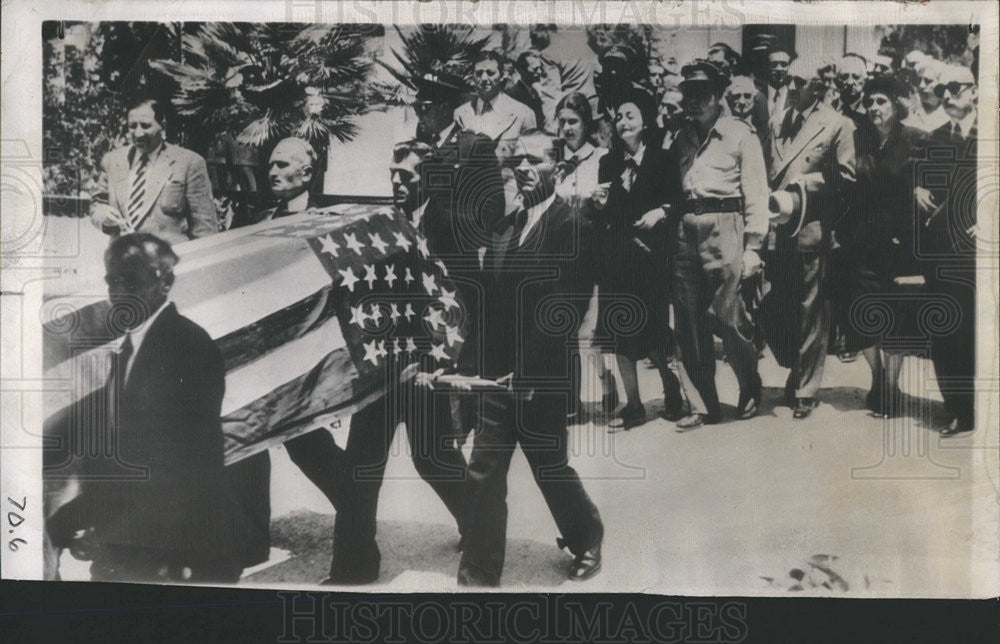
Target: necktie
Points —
{"points": [[137, 196], [116, 382], [956, 133], [796, 126]]}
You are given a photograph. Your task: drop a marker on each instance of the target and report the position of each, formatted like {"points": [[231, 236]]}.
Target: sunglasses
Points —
{"points": [[954, 88], [880, 101]]}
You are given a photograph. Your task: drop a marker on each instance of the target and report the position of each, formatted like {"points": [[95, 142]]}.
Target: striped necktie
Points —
{"points": [[137, 196]]}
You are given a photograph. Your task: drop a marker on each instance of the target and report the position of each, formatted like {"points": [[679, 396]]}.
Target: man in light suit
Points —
{"points": [[811, 172], [153, 186]]}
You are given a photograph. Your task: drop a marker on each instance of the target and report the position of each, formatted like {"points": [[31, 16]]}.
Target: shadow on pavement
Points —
{"points": [[405, 546]]}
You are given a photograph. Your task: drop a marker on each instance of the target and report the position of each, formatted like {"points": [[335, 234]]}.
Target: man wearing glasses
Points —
{"points": [[811, 175], [947, 242]]}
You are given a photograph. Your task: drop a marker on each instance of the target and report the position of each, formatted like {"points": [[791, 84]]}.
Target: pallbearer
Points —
{"points": [[724, 221]]}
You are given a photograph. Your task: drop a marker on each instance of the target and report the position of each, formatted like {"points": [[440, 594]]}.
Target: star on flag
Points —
{"points": [[376, 242], [433, 317], [408, 277], [351, 240], [370, 275], [429, 285], [402, 242], [350, 279], [452, 335], [447, 298], [329, 245], [371, 352], [390, 275], [438, 352]]}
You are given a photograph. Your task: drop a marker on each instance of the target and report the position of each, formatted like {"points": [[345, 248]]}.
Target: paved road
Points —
{"points": [[838, 503]]}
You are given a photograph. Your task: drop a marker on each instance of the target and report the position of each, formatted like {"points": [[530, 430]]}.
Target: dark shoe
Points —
{"points": [[873, 400], [673, 411], [749, 403], [586, 565], [956, 427], [847, 356], [631, 416], [804, 407]]}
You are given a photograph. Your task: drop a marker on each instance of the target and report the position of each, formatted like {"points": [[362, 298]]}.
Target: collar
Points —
{"points": [[298, 203], [585, 152], [807, 112], [133, 151], [417, 215], [534, 214], [965, 125], [478, 103], [443, 135], [138, 334], [639, 154]]}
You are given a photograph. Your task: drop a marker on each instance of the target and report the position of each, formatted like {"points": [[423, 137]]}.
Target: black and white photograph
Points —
{"points": [[407, 297]]}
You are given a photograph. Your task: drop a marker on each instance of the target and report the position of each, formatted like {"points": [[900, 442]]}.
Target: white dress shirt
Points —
{"points": [[138, 334]]}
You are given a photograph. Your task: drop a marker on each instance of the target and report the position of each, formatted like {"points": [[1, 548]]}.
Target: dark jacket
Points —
{"points": [[946, 236], [536, 295], [169, 424], [524, 93], [465, 187]]}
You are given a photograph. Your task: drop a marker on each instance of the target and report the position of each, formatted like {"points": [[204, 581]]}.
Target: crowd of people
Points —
{"points": [[765, 202]]}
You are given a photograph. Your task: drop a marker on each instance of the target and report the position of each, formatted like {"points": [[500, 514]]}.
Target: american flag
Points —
{"points": [[315, 314]]}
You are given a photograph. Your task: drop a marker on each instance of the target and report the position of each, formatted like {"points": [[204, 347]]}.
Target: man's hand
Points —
{"points": [[600, 195], [752, 263], [650, 219], [924, 199], [107, 217], [426, 380]]}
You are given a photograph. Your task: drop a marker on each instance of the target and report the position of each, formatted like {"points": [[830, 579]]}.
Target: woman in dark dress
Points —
{"points": [[634, 269], [881, 237]]}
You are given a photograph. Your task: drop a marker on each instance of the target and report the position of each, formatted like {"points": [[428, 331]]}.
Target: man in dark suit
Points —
{"points": [[153, 186], [537, 266], [164, 398], [947, 243], [811, 172], [529, 72]]}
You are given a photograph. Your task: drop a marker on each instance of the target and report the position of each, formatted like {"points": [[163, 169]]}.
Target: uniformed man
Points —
{"points": [[723, 224]]}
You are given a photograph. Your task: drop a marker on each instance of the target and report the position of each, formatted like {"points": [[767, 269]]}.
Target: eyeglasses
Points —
{"points": [[744, 95], [925, 81], [878, 100], [954, 88]]}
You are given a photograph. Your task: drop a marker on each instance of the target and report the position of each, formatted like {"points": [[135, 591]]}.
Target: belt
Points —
{"points": [[712, 204]]}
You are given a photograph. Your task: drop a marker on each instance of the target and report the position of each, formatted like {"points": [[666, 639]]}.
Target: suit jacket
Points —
{"points": [[281, 210], [526, 94], [537, 293], [819, 165], [178, 202], [946, 236], [168, 421], [463, 182]]}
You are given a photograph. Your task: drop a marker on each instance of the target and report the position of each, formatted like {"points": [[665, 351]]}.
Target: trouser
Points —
{"points": [[707, 299], [953, 345], [798, 317], [119, 563], [435, 457], [539, 425]]}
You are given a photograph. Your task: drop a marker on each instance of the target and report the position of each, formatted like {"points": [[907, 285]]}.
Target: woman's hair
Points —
{"points": [[578, 103], [647, 108], [888, 86]]}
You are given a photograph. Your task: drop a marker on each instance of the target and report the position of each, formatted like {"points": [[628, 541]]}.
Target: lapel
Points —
{"points": [[119, 180], [812, 127], [158, 175], [151, 352]]}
